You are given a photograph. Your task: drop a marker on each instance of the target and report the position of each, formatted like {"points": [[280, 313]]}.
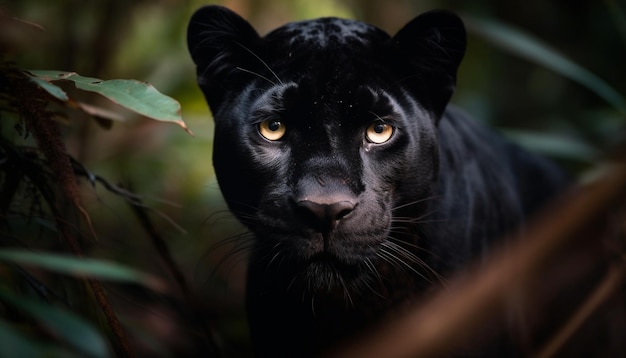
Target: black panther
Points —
{"points": [[335, 144]]}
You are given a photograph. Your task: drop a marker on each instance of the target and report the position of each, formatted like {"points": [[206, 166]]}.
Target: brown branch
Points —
{"points": [[451, 317], [48, 137], [118, 330], [111, 317]]}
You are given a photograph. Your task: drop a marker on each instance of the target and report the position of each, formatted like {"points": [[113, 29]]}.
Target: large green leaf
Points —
{"points": [[61, 323], [523, 45], [82, 267], [13, 344], [139, 97]]}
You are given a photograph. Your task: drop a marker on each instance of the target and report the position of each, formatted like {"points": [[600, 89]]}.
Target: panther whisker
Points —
{"points": [[415, 202], [397, 262], [384, 256], [373, 290], [417, 221], [412, 245], [256, 74], [346, 291], [372, 268], [415, 259], [406, 265], [242, 244], [276, 255], [377, 116], [260, 60], [411, 257], [291, 283], [239, 246], [234, 239]]}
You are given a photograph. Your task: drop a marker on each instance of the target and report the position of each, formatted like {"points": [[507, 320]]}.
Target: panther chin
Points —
{"points": [[328, 275]]}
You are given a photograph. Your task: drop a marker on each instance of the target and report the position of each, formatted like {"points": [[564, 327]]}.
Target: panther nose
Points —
{"points": [[322, 216]]}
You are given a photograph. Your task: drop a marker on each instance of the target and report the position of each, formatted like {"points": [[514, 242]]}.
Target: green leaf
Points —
{"points": [[523, 45], [81, 267], [61, 323], [619, 18], [14, 343], [139, 97], [553, 145], [53, 90]]}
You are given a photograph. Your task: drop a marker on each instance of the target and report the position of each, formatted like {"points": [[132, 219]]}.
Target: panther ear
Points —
{"points": [[434, 43], [220, 42]]}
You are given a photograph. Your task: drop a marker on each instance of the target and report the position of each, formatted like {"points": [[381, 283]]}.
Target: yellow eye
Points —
{"points": [[378, 132], [272, 129]]}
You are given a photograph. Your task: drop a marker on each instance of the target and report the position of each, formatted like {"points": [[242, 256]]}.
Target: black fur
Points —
{"points": [[346, 229]]}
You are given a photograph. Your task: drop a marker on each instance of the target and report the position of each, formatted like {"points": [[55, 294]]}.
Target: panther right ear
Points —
{"points": [[220, 42], [434, 44]]}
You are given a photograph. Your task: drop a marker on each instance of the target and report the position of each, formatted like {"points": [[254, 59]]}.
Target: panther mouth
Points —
{"points": [[325, 258], [339, 248]]}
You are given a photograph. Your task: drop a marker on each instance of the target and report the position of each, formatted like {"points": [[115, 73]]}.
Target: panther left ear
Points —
{"points": [[219, 42], [434, 43]]}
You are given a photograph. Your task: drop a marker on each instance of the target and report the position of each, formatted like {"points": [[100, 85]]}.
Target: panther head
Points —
{"points": [[325, 135]]}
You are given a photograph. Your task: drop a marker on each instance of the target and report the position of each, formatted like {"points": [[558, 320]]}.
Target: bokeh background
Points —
{"points": [[535, 105]]}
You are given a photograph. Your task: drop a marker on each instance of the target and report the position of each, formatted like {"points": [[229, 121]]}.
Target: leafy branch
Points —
{"points": [[45, 173]]}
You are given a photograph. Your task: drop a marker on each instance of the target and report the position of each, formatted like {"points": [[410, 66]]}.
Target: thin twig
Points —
{"points": [[132, 198], [164, 253], [612, 281], [160, 246]]}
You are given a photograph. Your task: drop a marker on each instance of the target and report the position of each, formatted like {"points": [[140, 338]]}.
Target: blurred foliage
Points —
{"points": [[149, 188]]}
